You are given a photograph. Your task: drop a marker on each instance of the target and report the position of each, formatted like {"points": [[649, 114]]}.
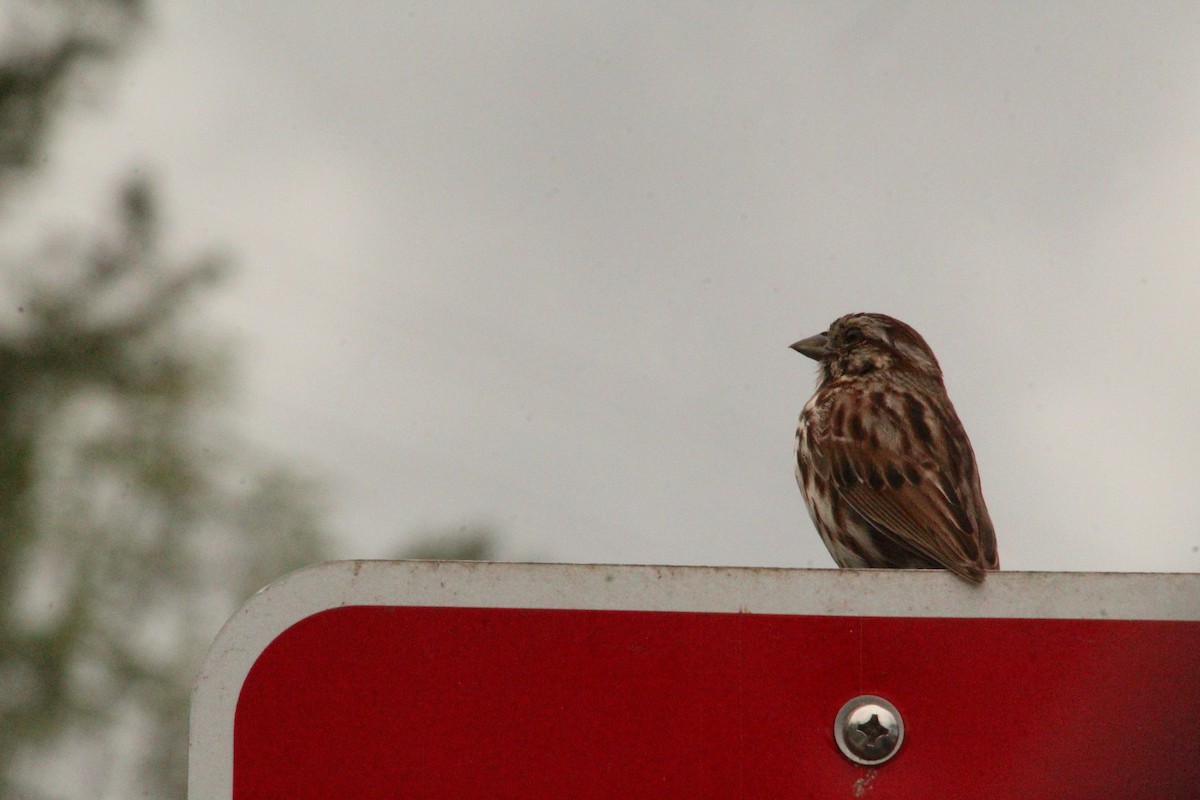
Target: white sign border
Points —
{"points": [[462, 584]]}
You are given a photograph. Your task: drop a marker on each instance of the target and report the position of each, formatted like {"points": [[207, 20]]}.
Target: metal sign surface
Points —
{"points": [[450, 680]]}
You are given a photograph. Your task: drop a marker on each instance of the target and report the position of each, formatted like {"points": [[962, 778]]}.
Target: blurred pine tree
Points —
{"points": [[132, 524]]}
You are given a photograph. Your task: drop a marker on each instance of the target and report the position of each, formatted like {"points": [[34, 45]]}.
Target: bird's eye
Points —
{"points": [[852, 335]]}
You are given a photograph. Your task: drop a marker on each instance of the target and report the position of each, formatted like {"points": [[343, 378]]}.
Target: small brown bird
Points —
{"points": [[885, 466]]}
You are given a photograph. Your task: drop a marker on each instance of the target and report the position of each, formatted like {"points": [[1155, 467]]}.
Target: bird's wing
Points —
{"points": [[901, 482]]}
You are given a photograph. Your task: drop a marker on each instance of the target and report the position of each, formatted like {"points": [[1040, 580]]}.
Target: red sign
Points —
{"points": [[411, 679]]}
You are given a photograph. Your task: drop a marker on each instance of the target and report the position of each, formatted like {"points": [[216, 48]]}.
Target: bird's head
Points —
{"points": [[859, 344]]}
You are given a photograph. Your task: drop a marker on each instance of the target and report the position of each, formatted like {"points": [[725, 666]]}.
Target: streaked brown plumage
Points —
{"points": [[885, 466]]}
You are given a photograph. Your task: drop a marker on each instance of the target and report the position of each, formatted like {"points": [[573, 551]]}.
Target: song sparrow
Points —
{"points": [[885, 466]]}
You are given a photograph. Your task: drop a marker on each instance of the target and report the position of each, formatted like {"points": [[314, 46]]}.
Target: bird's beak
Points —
{"points": [[815, 347]]}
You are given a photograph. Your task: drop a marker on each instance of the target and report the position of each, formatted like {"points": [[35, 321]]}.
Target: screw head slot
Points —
{"points": [[868, 730]]}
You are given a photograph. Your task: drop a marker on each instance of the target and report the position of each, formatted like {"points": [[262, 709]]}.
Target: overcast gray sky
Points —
{"points": [[538, 265]]}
